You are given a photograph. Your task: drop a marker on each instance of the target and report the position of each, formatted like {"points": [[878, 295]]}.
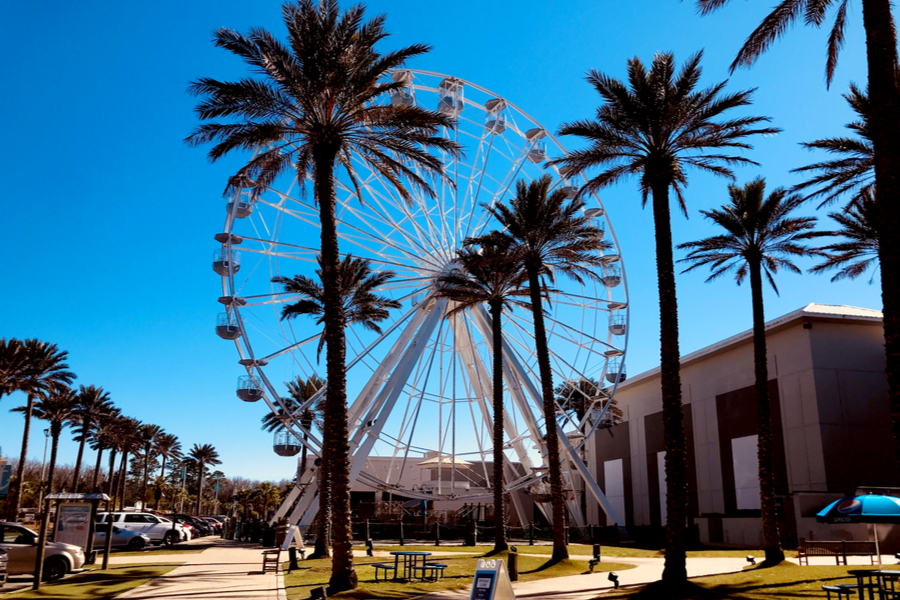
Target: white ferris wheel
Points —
{"points": [[420, 392]]}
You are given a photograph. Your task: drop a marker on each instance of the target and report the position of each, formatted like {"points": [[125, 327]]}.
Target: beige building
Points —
{"points": [[830, 418]]}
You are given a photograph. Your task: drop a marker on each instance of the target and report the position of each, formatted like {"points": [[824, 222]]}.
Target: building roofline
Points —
{"points": [[810, 312]]}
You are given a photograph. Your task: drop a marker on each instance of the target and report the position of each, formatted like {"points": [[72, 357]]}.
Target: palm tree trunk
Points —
{"points": [[96, 478], [199, 488], [85, 427], [55, 431], [20, 468], [336, 438], [162, 473], [774, 554], [675, 570], [499, 514], [123, 471], [144, 481], [881, 58], [320, 549], [557, 494], [112, 473]]}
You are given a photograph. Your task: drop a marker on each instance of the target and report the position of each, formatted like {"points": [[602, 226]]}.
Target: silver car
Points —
{"points": [[20, 544]]}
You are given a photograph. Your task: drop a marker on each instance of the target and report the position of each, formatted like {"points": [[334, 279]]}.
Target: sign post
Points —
{"points": [[491, 581]]}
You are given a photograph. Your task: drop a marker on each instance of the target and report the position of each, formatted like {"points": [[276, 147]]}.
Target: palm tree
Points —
{"points": [[314, 110], [854, 256], [884, 122], [490, 275], [57, 406], [550, 235], [300, 390], [656, 128], [358, 303], [103, 438], [167, 446], [579, 396], [92, 402], [129, 442], [205, 455], [267, 494], [760, 238], [12, 365], [44, 367], [854, 171], [148, 434]]}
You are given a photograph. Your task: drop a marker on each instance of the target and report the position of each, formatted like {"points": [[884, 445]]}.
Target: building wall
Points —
{"points": [[832, 427]]}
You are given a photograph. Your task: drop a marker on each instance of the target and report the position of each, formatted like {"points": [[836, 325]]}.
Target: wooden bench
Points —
{"points": [[839, 550], [431, 568], [386, 568], [271, 560]]}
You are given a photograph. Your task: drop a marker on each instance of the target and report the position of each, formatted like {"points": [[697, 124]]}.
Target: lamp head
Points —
{"points": [[614, 578], [751, 559]]}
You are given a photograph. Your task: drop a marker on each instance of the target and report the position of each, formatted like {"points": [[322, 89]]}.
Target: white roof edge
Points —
{"points": [[819, 311]]}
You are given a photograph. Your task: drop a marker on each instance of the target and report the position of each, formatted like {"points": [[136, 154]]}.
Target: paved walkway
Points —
{"points": [[227, 571]]}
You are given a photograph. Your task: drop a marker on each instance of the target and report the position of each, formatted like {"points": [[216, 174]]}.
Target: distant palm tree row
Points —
{"points": [[314, 111], [39, 369]]}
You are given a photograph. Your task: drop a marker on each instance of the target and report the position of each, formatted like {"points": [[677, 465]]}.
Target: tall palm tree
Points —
{"points": [[92, 402], [315, 109], [491, 275], [129, 443], [551, 236], [205, 455], [760, 238], [44, 368], [852, 257], [357, 303], [148, 434], [12, 365], [884, 122], [657, 128], [55, 405], [167, 446], [853, 172]]}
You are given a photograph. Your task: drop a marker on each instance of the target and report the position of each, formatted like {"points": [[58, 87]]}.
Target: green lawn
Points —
{"points": [[96, 584], [786, 580], [459, 573], [587, 550]]}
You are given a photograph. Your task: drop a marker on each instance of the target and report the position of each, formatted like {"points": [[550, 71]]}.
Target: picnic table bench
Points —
{"points": [[431, 570], [839, 550], [386, 568]]}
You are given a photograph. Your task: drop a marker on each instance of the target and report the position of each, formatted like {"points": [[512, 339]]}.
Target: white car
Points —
{"points": [[158, 529], [20, 544]]}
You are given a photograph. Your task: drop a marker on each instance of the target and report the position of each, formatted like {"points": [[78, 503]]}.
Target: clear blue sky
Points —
{"points": [[109, 219]]}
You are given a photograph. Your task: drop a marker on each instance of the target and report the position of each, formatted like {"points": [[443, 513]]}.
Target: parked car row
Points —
{"points": [[158, 529]]}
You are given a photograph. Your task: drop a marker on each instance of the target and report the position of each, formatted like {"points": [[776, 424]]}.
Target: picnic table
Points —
{"points": [[876, 581], [410, 559]]}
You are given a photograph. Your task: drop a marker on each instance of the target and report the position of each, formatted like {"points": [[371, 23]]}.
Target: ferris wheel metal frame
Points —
{"points": [[418, 241]]}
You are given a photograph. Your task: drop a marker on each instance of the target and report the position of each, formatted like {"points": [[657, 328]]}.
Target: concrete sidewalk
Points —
{"points": [[587, 586], [227, 571]]}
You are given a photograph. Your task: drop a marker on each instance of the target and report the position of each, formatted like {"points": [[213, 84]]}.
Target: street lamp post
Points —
{"points": [[43, 468]]}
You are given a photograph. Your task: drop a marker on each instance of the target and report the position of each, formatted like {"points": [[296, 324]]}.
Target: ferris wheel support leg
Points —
{"points": [[285, 505], [589, 481]]}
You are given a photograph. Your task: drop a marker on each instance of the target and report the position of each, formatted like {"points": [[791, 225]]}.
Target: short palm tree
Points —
{"points": [[860, 250], [167, 446], [57, 406], [656, 128], [267, 494], [300, 390], [550, 235], [44, 368], [760, 238], [102, 439], [577, 397], [853, 172], [884, 123], [148, 434], [491, 275], [358, 304], [205, 456], [92, 403], [315, 110], [129, 443]]}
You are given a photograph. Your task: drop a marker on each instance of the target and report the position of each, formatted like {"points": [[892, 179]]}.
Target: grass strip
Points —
{"points": [[587, 550], [786, 580], [458, 575], [95, 584]]}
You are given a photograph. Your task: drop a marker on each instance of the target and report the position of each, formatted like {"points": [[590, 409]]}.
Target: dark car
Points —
{"points": [[200, 526]]}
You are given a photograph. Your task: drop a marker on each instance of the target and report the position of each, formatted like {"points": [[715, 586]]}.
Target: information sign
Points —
{"points": [[73, 523], [5, 472], [293, 537], [491, 581]]}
